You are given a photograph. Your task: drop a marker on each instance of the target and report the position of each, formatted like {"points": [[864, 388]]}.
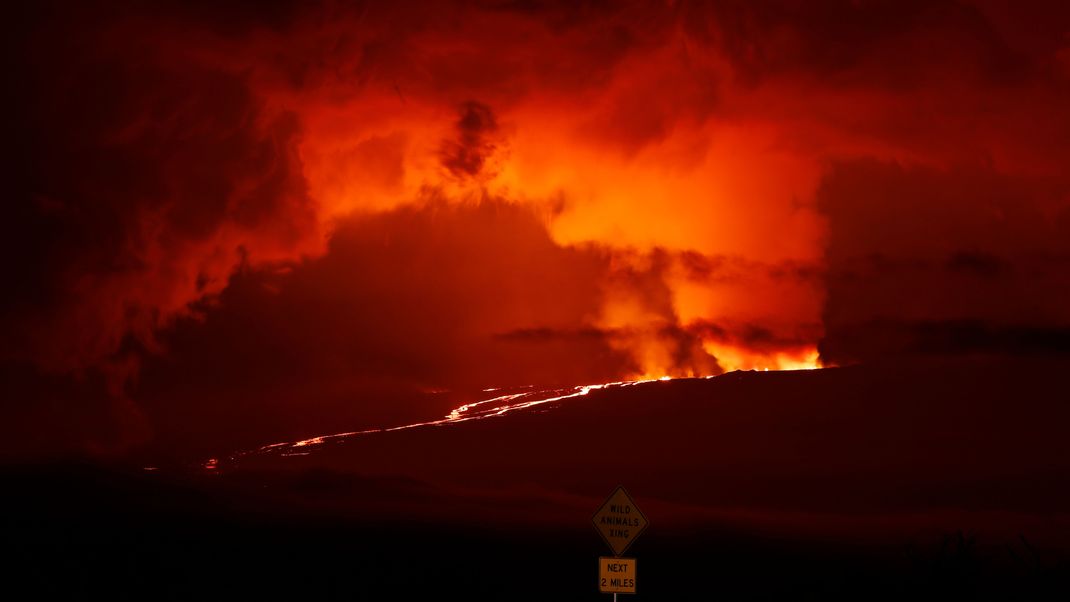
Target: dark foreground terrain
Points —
{"points": [[942, 480]]}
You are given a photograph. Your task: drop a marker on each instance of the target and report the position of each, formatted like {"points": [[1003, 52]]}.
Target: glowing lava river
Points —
{"points": [[478, 410]]}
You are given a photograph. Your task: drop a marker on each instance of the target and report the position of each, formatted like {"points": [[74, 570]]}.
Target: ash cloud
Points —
{"points": [[745, 174], [468, 154], [143, 178]]}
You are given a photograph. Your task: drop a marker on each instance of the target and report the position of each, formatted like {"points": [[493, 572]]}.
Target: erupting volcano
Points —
{"points": [[780, 268]]}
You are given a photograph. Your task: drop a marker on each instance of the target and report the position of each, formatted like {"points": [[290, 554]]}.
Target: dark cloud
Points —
{"points": [[979, 264], [943, 261], [889, 339], [142, 176], [468, 153], [881, 43]]}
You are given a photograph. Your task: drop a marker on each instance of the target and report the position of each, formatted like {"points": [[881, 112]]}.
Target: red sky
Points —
{"points": [[319, 213]]}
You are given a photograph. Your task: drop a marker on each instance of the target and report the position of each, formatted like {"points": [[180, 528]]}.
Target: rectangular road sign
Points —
{"points": [[616, 575]]}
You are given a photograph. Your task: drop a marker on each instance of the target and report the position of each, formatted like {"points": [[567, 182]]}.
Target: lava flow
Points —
{"points": [[478, 410]]}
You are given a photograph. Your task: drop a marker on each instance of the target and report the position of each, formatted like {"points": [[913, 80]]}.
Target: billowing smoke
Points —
{"points": [[396, 196]]}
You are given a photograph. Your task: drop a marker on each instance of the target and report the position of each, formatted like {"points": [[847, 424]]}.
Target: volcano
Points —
{"points": [[383, 300]]}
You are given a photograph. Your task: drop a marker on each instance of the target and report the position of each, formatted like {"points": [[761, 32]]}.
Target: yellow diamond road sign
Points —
{"points": [[619, 521]]}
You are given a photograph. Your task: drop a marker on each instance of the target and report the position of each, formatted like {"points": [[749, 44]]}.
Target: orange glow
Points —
{"points": [[690, 188], [704, 190], [654, 150], [738, 358], [686, 182], [222, 212]]}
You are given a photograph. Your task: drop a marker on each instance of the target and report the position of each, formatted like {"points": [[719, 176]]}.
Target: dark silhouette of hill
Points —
{"points": [[931, 480]]}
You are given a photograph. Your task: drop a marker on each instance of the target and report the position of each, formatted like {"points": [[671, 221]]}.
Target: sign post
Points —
{"points": [[620, 522]]}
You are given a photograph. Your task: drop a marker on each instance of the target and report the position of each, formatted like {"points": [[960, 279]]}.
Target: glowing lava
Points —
{"points": [[735, 358], [478, 410], [487, 408]]}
